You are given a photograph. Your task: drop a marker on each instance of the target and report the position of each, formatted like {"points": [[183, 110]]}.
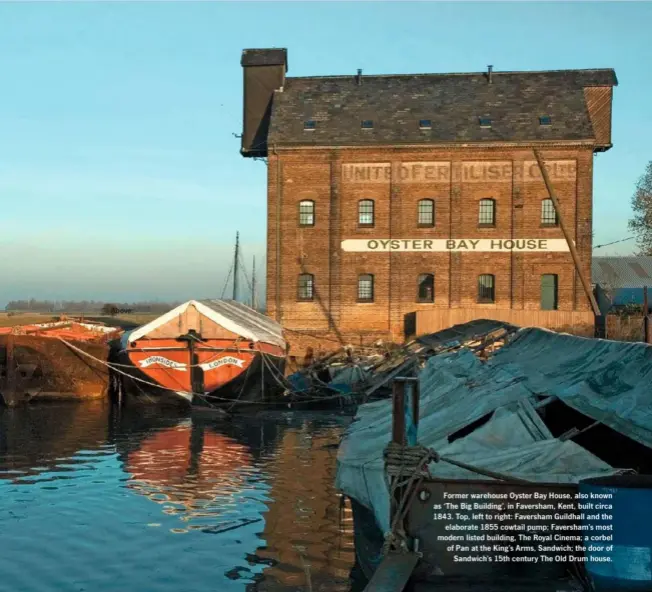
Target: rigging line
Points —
{"points": [[244, 271], [204, 397], [122, 372], [622, 240], [226, 283]]}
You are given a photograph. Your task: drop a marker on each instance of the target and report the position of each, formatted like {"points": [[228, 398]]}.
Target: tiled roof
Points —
{"points": [[514, 101], [622, 272]]}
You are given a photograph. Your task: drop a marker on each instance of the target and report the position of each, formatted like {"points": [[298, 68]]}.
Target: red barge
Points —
{"points": [[57, 360], [215, 352]]}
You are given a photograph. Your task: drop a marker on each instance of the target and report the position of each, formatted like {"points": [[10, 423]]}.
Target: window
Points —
{"points": [[487, 212], [426, 288], [486, 289], [367, 124], [309, 125], [366, 288], [426, 212], [306, 213], [425, 124], [306, 287], [485, 121], [549, 291], [366, 212], [545, 120], [548, 213]]}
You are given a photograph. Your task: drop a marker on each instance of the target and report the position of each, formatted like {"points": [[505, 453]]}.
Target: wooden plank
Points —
{"points": [[393, 574], [569, 239], [389, 376], [436, 319]]}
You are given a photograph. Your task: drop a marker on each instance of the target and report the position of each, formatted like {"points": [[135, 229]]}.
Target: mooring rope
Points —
{"points": [[419, 457], [201, 396], [407, 467]]}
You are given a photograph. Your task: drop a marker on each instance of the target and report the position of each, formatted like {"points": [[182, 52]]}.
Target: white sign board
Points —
{"points": [[163, 362], [479, 245], [231, 360]]}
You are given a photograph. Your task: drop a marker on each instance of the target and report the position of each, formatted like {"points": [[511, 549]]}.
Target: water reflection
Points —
{"points": [[51, 438], [309, 535], [110, 501], [198, 475]]}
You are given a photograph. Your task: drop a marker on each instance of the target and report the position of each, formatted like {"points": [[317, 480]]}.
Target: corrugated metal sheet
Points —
{"points": [[622, 272]]}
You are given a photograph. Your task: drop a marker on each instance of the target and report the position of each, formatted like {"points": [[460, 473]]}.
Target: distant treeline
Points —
{"points": [[86, 306]]}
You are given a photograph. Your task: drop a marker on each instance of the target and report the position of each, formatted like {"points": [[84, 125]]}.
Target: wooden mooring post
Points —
{"points": [[395, 570], [405, 414], [600, 327], [9, 387]]}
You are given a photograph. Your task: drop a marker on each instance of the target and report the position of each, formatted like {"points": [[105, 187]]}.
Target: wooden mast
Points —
{"points": [[253, 285], [235, 266]]}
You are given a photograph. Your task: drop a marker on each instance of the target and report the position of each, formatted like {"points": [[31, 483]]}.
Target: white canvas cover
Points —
{"points": [[604, 380], [233, 316]]}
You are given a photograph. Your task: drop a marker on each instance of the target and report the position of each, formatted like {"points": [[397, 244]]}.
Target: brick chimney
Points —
{"points": [[263, 72]]}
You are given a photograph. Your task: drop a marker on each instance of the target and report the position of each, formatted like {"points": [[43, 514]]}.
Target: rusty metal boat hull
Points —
{"points": [[54, 364]]}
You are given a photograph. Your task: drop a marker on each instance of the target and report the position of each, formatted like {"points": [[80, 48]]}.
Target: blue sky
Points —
{"points": [[120, 177]]}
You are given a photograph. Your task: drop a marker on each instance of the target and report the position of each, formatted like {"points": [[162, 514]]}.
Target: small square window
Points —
{"points": [[545, 120], [485, 121], [309, 125], [425, 124], [367, 124]]}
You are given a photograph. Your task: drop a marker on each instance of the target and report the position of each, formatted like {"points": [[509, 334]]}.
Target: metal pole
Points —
{"points": [[398, 412], [262, 374], [571, 244], [416, 396], [647, 334], [235, 266], [279, 196]]}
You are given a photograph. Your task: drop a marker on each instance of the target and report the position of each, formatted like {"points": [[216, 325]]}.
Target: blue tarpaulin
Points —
{"points": [[606, 380]]}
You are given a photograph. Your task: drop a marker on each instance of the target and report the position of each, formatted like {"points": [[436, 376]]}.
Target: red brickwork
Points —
{"points": [[461, 178]]}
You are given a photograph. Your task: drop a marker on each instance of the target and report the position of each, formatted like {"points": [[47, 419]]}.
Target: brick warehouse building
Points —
{"points": [[398, 197]]}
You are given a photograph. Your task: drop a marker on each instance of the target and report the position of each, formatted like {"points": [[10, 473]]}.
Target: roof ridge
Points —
{"points": [[482, 73]]}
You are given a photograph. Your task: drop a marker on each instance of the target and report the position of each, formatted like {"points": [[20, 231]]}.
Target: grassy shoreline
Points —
{"points": [[124, 321]]}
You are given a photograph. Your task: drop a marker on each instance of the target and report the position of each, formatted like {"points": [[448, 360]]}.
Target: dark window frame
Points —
{"points": [[366, 202], [368, 277], [425, 124], [309, 125], [426, 202], [556, 291], [485, 122], [367, 124], [312, 213], [549, 218], [486, 202], [486, 288], [309, 284], [420, 281], [545, 120]]}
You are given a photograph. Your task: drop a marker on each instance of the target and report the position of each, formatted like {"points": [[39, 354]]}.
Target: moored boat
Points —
{"points": [[62, 359], [517, 438], [213, 352]]}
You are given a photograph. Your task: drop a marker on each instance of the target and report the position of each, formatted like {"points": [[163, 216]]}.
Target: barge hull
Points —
{"points": [[45, 368]]}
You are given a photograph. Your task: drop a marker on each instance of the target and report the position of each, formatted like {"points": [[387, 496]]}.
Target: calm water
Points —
{"points": [[95, 501]]}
